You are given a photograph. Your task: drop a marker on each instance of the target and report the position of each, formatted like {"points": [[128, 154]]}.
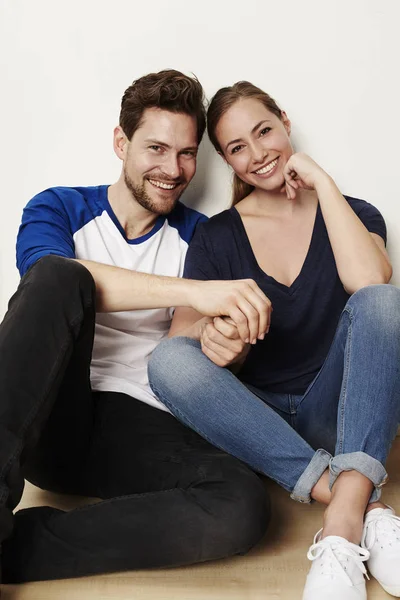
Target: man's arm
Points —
{"points": [[242, 300], [46, 229]]}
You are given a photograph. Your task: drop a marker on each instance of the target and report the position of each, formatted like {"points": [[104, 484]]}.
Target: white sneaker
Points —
{"points": [[338, 570], [381, 536]]}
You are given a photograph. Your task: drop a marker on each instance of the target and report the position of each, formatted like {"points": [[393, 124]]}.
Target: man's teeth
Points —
{"points": [[164, 186], [268, 168]]}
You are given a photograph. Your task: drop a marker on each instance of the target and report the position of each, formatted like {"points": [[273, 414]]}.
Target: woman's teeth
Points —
{"points": [[267, 168]]}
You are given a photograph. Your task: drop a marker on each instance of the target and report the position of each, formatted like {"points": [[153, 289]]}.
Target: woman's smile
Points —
{"points": [[268, 169]]}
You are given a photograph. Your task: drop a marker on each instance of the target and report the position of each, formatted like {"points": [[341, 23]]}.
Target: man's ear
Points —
{"points": [[120, 143], [286, 123]]}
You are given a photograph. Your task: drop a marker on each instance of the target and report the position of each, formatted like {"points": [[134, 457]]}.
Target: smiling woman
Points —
{"points": [[332, 344], [241, 91]]}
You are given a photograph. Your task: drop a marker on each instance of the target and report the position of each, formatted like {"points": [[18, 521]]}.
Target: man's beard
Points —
{"points": [[142, 197]]}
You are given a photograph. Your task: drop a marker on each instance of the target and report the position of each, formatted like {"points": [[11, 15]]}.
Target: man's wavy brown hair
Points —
{"points": [[169, 90]]}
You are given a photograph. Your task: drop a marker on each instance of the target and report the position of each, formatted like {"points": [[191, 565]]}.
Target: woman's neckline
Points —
{"points": [[308, 260]]}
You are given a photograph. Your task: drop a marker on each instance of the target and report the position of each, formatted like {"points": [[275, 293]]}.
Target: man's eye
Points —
{"points": [[190, 153], [265, 130], [155, 147]]}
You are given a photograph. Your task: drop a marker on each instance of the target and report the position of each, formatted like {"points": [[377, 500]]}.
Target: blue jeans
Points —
{"points": [[346, 420]]}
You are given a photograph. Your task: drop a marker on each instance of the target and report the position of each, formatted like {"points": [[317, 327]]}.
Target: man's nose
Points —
{"points": [[171, 166]]}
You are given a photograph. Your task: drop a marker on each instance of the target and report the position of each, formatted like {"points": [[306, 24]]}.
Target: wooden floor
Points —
{"points": [[274, 570]]}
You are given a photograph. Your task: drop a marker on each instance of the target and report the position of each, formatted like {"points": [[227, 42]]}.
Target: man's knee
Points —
{"points": [[58, 276], [239, 511], [248, 517]]}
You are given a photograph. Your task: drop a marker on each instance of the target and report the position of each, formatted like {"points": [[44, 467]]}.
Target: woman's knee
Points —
{"points": [[174, 365], [378, 304]]}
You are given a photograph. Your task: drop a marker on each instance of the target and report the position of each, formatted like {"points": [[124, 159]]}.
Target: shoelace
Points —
{"points": [[388, 521], [345, 549]]}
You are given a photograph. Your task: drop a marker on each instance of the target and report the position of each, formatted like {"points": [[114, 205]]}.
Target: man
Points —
{"points": [[88, 424]]}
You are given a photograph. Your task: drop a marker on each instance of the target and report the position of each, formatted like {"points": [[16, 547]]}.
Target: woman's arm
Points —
{"points": [[219, 337], [361, 258], [187, 322]]}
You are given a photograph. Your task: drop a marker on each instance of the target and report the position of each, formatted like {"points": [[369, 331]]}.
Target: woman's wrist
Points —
{"points": [[324, 183], [194, 331]]}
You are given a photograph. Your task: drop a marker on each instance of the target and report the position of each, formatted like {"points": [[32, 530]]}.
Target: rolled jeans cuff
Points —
{"points": [[364, 464], [312, 474]]}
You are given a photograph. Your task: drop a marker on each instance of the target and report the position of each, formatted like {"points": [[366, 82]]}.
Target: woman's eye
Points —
{"points": [[235, 149], [265, 130]]}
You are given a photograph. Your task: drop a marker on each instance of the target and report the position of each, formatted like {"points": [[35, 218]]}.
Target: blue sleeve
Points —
{"points": [[369, 216], [200, 260], [185, 220], [44, 229]]}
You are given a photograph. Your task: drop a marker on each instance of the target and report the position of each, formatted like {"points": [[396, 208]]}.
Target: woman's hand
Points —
{"points": [[303, 172], [221, 342]]}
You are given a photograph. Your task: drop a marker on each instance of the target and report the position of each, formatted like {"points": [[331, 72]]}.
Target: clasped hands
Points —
{"points": [[221, 342]]}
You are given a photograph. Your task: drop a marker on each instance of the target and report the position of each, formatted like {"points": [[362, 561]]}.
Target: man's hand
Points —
{"points": [[221, 342], [241, 300]]}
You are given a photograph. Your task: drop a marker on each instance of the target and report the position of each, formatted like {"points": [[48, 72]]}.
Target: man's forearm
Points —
{"points": [[242, 300], [120, 289]]}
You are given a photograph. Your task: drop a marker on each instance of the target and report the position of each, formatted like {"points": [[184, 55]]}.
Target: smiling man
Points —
{"points": [[101, 268]]}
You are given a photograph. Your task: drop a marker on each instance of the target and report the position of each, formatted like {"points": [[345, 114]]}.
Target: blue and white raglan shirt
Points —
{"points": [[80, 223]]}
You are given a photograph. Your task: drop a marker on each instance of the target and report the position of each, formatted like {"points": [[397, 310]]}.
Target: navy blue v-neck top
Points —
{"points": [[305, 315]]}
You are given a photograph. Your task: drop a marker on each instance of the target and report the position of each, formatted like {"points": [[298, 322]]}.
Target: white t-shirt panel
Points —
{"points": [[79, 223]]}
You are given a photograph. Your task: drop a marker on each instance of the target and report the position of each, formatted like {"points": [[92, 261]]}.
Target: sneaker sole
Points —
{"points": [[393, 591]]}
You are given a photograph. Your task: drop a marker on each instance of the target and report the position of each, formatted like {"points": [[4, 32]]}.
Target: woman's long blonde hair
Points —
{"points": [[221, 102]]}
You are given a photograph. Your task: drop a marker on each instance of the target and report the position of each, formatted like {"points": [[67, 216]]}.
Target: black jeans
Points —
{"points": [[169, 497]]}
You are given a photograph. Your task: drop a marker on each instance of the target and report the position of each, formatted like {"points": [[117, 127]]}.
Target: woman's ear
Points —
{"points": [[221, 154], [286, 122]]}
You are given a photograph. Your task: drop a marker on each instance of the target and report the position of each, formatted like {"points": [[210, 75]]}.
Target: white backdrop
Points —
{"points": [[333, 66]]}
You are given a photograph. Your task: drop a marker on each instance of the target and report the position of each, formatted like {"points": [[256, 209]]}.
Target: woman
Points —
{"points": [[315, 402]]}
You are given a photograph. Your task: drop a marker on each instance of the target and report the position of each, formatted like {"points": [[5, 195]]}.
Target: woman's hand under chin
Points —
{"points": [[302, 172]]}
